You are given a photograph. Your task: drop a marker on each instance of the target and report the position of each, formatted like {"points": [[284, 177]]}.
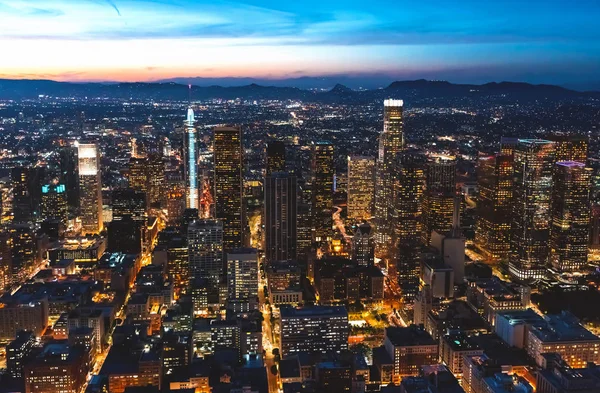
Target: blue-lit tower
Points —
{"points": [[191, 162]]}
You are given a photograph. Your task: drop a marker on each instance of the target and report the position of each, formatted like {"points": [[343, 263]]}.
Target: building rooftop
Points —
{"points": [[562, 327], [408, 336], [505, 383], [519, 317], [111, 260], [500, 353], [314, 311], [460, 342]]}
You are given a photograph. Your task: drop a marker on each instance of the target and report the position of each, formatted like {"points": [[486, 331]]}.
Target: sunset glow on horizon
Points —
{"points": [[148, 40]]}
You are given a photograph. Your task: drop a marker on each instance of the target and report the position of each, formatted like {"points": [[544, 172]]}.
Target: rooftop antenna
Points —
{"points": [[190, 95]]}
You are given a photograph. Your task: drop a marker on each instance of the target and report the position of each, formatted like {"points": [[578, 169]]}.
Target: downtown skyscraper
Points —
{"points": [[228, 183], [275, 158], [205, 250], [391, 142], [439, 195], [54, 203], [407, 217], [361, 187], [495, 184], [569, 232], [280, 217], [532, 192], [323, 171], [191, 162], [90, 188]]}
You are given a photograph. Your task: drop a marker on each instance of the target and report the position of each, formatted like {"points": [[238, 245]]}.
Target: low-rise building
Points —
{"points": [[563, 334], [410, 348]]}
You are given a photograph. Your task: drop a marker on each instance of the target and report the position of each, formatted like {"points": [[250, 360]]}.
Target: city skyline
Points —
{"points": [[151, 40]]}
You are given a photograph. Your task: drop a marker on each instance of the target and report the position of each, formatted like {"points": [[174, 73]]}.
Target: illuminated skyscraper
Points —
{"points": [[5, 260], [407, 217], [322, 190], [191, 162], [533, 168], [205, 250], [281, 204], [391, 142], [595, 210], [275, 157], [495, 184], [242, 277], [22, 199], [228, 182], [440, 191], [363, 251], [23, 250], [156, 179], [129, 203], [54, 203], [138, 173], [570, 148], [90, 188], [69, 176], [361, 187], [175, 196], [569, 232]]}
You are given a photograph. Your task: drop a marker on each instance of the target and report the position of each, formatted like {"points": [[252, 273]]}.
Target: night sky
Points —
{"points": [[475, 41]]}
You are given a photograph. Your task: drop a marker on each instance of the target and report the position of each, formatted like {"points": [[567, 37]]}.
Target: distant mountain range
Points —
{"points": [[408, 90]]}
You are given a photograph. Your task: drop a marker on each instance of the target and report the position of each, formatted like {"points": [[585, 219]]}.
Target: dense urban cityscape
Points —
{"points": [[406, 240]]}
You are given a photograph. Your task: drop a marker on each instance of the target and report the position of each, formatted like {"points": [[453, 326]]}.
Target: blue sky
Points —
{"points": [[465, 41]]}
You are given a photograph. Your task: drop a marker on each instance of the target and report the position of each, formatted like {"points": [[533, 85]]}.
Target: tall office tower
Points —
{"points": [[175, 196], [156, 179], [363, 245], [533, 168], [125, 232], [438, 200], [242, 277], [323, 170], [407, 217], [138, 173], [304, 232], [69, 176], [5, 260], [275, 157], [507, 145], [570, 148], [569, 232], [90, 188], [280, 217], [129, 202], [23, 250], [205, 250], [391, 142], [595, 210], [361, 187], [494, 207], [22, 199], [124, 236], [228, 182], [54, 203], [191, 162]]}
